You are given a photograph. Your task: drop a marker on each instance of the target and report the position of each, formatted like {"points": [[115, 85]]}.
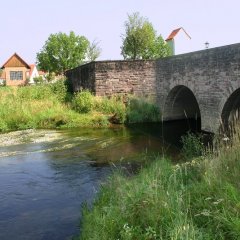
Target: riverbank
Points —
{"points": [[46, 175], [50, 106], [198, 199]]}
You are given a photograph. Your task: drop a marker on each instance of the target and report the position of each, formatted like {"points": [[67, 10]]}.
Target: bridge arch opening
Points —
{"points": [[231, 110], [181, 104]]}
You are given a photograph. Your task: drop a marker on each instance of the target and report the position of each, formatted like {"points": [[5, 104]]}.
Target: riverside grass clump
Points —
{"points": [[51, 106], [199, 199]]}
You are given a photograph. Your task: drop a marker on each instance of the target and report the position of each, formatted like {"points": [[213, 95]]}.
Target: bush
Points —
{"points": [[83, 102], [59, 88]]}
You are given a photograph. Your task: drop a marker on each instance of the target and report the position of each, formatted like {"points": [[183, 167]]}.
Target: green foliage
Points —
{"points": [[38, 80], [114, 106], [94, 51], [51, 106], [61, 52], [39, 92], [141, 41], [83, 102], [42, 106], [140, 110], [50, 77], [59, 88], [192, 146], [193, 200]]}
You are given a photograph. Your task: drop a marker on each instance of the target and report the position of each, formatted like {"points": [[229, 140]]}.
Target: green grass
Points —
{"points": [[199, 199], [42, 106], [51, 106]]}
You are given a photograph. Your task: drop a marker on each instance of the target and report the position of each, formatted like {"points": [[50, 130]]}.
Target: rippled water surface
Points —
{"points": [[45, 176]]}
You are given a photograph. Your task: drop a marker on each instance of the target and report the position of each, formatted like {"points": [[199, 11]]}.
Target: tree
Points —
{"points": [[62, 52], [94, 51], [141, 41]]}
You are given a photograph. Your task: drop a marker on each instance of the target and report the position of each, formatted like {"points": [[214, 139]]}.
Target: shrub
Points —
{"points": [[83, 102], [59, 88]]}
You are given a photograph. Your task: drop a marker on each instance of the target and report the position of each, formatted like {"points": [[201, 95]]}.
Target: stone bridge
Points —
{"points": [[201, 85]]}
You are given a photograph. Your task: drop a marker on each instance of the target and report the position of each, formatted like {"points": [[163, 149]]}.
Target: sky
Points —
{"points": [[27, 24]]}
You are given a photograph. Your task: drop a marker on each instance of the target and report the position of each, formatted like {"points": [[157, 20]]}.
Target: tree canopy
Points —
{"points": [[141, 41], [62, 52]]}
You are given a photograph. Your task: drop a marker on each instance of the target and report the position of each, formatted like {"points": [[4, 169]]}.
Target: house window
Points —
{"points": [[16, 75]]}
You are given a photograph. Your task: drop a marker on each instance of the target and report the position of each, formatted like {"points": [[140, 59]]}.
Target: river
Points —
{"points": [[46, 175]]}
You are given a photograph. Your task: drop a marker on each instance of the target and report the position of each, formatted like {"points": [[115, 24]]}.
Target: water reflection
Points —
{"points": [[44, 181]]}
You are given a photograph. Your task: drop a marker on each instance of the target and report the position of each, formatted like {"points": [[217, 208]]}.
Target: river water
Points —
{"points": [[46, 175]]}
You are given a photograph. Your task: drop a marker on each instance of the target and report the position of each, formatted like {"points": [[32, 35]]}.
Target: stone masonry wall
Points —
{"points": [[211, 74], [125, 77], [106, 78], [82, 77]]}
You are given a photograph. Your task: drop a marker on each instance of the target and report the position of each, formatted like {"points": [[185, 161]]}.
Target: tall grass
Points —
{"points": [[42, 106], [51, 106], [199, 199]]}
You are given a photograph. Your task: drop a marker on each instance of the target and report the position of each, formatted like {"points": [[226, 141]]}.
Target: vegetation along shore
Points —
{"points": [[198, 199], [48, 106]]}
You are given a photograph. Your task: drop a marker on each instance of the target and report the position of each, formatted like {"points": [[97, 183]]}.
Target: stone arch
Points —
{"points": [[181, 103], [231, 108]]}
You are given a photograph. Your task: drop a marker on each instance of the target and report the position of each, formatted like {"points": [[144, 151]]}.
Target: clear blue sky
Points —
{"points": [[26, 24]]}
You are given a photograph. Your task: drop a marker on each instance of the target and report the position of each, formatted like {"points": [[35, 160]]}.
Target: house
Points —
{"points": [[15, 71], [182, 38], [33, 73]]}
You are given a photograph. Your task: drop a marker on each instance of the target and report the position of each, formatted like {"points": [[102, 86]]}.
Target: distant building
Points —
{"points": [[182, 40], [16, 72]]}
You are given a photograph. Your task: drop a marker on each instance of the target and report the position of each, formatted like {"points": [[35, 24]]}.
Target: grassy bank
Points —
{"points": [[199, 199], [51, 106]]}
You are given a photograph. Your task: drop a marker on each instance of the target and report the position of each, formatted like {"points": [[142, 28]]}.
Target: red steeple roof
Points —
{"points": [[174, 33]]}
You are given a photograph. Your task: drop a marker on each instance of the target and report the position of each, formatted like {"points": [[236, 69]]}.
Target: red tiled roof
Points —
{"points": [[175, 32]]}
